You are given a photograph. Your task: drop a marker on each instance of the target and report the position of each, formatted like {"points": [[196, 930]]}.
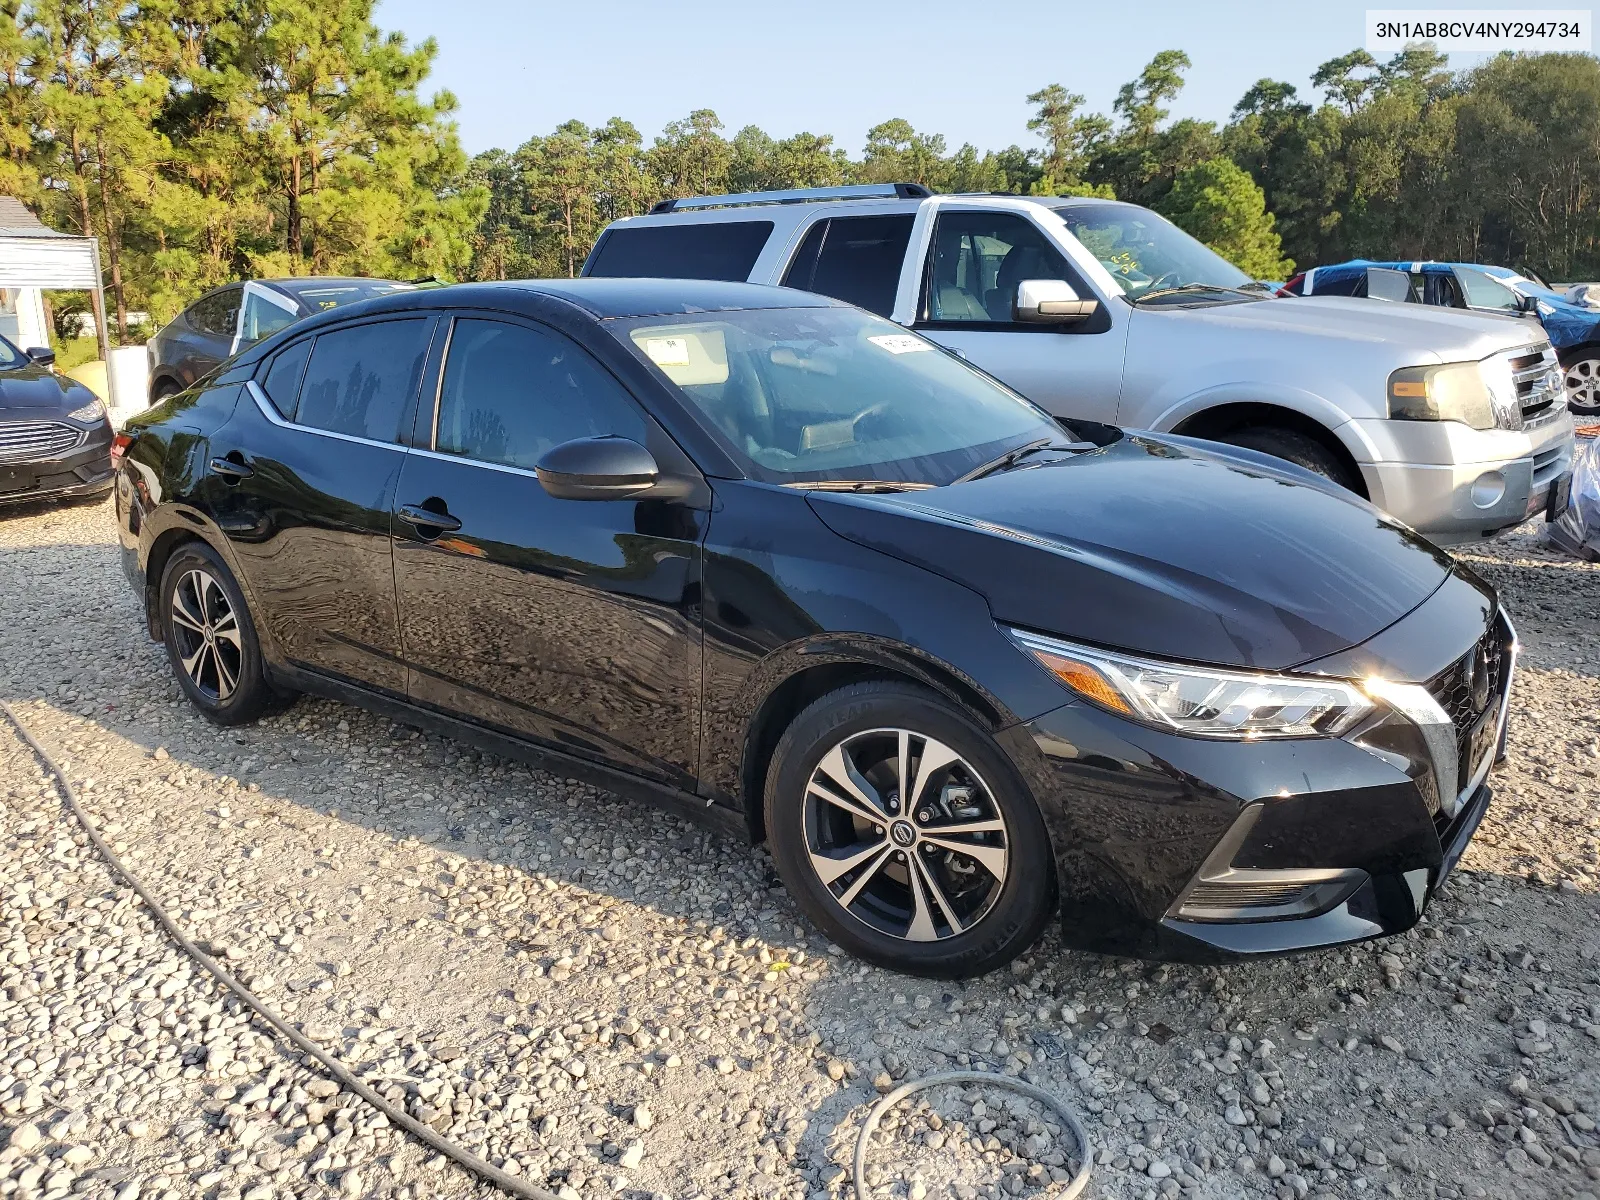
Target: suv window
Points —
{"points": [[723, 250], [264, 315], [281, 383], [978, 260], [854, 259], [512, 392], [218, 313], [361, 379]]}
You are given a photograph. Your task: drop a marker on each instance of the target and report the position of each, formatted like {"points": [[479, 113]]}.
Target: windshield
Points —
{"points": [[808, 395], [1146, 253], [10, 357], [334, 294]]}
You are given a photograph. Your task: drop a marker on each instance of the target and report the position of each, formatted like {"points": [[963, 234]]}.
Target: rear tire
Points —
{"points": [[211, 640], [1291, 446], [954, 882], [1582, 376]]}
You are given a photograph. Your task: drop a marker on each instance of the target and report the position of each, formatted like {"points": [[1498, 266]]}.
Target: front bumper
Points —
{"points": [[84, 472], [1456, 484], [1142, 820]]}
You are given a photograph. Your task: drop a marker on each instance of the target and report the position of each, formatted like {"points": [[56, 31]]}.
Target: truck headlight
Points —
{"points": [[1201, 701], [1480, 394]]}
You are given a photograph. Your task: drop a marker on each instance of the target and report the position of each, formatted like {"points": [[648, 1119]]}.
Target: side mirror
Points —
{"points": [[602, 468], [41, 355], [1050, 302]]}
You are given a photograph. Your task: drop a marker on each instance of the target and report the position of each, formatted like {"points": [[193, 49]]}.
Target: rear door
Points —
{"points": [[306, 473], [971, 265], [573, 623]]}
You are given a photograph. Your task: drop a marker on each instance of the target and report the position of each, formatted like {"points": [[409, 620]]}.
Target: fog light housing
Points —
{"points": [[1221, 892], [1488, 489]]}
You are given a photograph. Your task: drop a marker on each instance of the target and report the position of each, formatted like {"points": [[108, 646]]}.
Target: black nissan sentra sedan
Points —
{"points": [[55, 438], [768, 558]]}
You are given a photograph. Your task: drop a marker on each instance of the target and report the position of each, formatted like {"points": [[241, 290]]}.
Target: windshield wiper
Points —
{"points": [[1008, 459], [859, 485], [1190, 287]]}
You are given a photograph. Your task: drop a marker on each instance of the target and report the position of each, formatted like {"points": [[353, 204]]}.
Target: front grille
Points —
{"points": [[1242, 895], [1538, 380], [1547, 465], [26, 441], [1470, 687]]}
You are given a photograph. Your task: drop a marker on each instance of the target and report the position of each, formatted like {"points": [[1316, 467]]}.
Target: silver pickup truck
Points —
{"points": [[1454, 422]]}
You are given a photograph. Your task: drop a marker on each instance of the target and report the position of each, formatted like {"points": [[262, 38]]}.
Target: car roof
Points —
{"points": [[610, 297]]}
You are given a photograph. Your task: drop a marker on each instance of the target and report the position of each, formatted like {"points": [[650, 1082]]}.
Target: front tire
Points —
{"points": [[905, 833], [210, 638], [1582, 377]]}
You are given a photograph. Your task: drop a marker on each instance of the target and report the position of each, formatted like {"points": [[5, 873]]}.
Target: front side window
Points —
{"points": [[218, 313], [1485, 292], [264, 315], [10, 356], [977, 261], [1147, 253], [806, 395], [361, 379], [725, 250], [511, 393], [854, 259]]}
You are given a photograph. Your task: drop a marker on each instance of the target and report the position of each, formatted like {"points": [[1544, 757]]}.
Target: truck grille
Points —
{"points": [[26, 441], [1538, 380]]}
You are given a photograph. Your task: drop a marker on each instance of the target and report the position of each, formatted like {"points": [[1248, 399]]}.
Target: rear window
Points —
{"points": [[723, 250], [854, 259]]}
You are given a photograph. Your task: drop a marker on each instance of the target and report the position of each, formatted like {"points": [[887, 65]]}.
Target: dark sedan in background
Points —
{"points": [[767, 558], [55, 439], [227, 319]]}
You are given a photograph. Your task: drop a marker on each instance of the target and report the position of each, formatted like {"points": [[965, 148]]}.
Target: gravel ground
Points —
{"points": [[612, 1002]]}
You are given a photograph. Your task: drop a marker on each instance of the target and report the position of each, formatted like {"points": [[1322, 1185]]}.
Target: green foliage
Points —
{"points": [[1220, 204]]}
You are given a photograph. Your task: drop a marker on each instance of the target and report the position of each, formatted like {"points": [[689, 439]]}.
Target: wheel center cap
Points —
{"points": [[903, 833]]}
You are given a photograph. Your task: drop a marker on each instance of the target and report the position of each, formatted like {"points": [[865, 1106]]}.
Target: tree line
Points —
{"points": [[209, 140]]}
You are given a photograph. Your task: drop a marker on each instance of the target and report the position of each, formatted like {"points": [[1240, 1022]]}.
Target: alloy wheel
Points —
{"points": [[905, 835], [1583, 385], [206, 630]]}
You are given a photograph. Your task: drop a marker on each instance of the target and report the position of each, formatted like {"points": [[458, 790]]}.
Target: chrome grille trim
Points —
{"points": [[1538, 378], [26, 441]]}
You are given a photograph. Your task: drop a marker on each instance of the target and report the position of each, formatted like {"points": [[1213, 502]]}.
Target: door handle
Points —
{"points": [[233, 468], [421, 518]]}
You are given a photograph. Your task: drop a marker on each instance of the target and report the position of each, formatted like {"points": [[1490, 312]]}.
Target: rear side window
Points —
{"points": [[218, 313], [723, 250], [281, 383], [854, 259], [361, 379]]}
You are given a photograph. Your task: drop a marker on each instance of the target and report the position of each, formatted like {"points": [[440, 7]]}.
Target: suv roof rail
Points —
{"points": [[855, 191]]}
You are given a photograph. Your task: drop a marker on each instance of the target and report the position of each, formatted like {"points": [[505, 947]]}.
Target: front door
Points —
{"points": [[975, 260], [303, 480], [574, 623]]}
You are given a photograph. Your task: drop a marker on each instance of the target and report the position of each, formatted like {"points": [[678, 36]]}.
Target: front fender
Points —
{"points": [[1332, 417]]}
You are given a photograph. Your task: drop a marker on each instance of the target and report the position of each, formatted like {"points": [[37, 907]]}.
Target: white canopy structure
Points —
{"points": [[36, 258]]}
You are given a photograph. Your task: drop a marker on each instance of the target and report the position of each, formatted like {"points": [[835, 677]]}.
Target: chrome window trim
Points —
{"points": [[275, 417], [438, 384], [475, 462]]}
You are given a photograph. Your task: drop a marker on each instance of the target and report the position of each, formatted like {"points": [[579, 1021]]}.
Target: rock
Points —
{"points": [[1158, 1169], [643, 1118], [25, 1138], [632, 1156]]}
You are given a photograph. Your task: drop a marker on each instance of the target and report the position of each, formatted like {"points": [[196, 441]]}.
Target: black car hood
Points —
{"points": [[1162, 546], [31, 393]]}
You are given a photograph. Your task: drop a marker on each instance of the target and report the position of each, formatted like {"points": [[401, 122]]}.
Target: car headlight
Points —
{"points": [[1201, 701], [91, 411], [1480, 394]]}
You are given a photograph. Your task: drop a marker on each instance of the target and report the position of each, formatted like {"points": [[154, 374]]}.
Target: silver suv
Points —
{"points": [[1454, 422]]}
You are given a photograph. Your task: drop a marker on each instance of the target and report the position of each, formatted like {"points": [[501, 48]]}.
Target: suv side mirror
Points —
{"points": [[1050, 302], [41, 355], [600, 468]]}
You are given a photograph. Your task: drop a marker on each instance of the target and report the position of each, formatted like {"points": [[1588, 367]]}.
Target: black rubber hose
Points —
{"points": [[511, 1184]]}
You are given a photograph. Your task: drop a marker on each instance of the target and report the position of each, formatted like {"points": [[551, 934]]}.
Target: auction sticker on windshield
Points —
{"points": [[900, 343]]}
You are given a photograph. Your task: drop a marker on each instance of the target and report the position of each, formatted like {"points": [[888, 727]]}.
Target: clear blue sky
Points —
{"points": [[963, 69]]}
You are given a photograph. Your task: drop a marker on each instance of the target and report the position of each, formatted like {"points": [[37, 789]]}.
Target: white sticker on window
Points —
{"points": [[668, 351], [900, 343]]}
